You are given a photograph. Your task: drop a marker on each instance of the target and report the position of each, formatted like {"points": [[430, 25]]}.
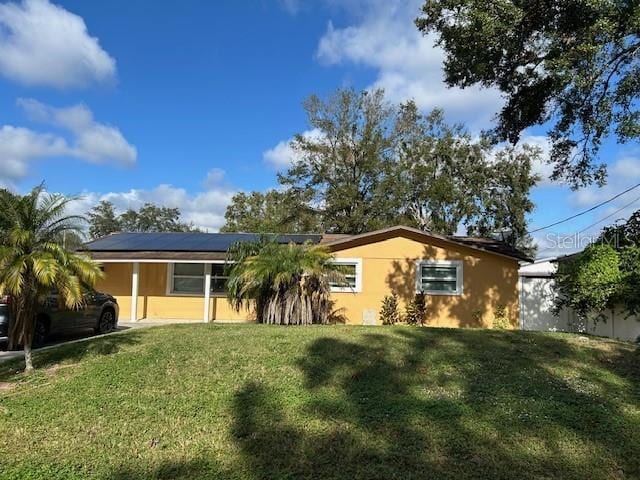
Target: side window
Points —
{"points": [[440, 277], [351, 269]]}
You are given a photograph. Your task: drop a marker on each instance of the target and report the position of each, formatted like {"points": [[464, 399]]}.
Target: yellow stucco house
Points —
{"points": [[181, 275]]}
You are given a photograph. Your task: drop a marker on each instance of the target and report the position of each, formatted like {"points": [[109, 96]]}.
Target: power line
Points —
{"points": [[609, 216], [596, 223], [585, 211]]}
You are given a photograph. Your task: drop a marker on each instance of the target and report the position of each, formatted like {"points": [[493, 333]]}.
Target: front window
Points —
{"points": [[351, 270], [189, 278], [440, 277]]}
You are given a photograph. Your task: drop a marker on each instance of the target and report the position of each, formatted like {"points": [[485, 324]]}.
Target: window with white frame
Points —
{"points": [[440, 277], [351, 271], [189, 278]]}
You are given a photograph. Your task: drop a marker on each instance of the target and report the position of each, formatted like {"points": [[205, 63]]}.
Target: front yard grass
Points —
{"points": [[254, 401]]}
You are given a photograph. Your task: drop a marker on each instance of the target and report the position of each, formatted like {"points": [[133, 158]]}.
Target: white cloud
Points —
{"points": [[408, 64], [44, 44], [627, 167], [19, 146], [213, 178], [282, 156], [93, 141], [204, 209], [89, 140]]}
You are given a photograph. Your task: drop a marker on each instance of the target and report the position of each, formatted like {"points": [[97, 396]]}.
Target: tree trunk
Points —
{"points": [[28, 361], [24, 326]]}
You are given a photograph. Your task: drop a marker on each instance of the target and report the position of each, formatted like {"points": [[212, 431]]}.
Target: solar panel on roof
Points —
{"points": [[184, 242]]}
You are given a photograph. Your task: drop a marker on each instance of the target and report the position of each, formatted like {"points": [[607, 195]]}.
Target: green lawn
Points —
{"points": [[253, 401]]}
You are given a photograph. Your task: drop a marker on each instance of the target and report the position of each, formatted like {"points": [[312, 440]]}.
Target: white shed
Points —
{"points": [[537, 297]]}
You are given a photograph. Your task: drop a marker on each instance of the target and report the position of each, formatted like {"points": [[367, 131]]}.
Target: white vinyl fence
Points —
{"points": [[536, 310]]}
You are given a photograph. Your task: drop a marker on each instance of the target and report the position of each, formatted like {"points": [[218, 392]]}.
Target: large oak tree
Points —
{"points": [[573, 63]]}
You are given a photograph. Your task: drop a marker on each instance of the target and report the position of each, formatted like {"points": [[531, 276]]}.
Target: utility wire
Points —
{"points": [[585, 211], [596, 223], [609, 216]]}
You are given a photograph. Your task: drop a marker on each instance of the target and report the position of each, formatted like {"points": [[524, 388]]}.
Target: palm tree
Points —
{"points": [[34, 260], [286, 284]]}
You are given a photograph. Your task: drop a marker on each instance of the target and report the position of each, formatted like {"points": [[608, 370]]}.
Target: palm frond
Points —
{"points": [[12, 275], [45, 268]]}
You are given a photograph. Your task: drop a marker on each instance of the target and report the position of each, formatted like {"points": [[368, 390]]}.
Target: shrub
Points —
{"points": [[588, 282], [629, 290], [417, 310], [501, 318], [389, 313]]}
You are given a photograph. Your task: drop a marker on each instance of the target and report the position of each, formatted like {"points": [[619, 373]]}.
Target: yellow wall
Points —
{"points": [[388, 265], [153, 301]]}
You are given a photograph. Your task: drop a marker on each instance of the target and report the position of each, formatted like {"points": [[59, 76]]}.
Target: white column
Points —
{"points": [[207, 291], [134, 292]]}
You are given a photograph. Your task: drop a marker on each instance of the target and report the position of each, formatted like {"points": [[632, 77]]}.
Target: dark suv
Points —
{"points": [[99, 313]]}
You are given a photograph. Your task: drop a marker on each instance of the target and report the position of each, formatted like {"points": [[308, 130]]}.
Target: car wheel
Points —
{"points": [[107, 322], [40, 333]]}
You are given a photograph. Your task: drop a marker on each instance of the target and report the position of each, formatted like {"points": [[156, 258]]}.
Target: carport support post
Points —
{"points": [[134, 292], [207, 291]]}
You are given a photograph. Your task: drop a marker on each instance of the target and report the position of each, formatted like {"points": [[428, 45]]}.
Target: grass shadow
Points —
{"points": [[445, 404]]}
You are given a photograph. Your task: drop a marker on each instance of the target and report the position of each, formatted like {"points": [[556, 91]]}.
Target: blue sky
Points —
{"points": [[185, 103]]}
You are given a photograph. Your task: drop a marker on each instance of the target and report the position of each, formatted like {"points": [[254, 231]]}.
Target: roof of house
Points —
{"points": [[492, 245], [176, 245], [211, 246], [183, 242], [476, 243], [542, 268]]}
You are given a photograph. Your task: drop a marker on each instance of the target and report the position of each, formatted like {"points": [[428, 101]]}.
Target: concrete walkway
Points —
{"points": [[83, 336]]}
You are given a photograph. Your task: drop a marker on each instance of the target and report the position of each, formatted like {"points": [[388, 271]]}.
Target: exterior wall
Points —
{"points": [[389, 265], [153, 300]]}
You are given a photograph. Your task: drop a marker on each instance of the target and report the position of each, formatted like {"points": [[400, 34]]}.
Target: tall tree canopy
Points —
{"points": [[270, 212], [624, 234], [575, 63], [444, 179], [103, 220], [149, 218], [342, 168], [505, 200], [373, 164]]}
